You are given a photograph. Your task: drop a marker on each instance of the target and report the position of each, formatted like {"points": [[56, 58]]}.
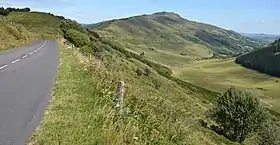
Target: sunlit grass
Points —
{"points": [[82, 110], [217, 74]]}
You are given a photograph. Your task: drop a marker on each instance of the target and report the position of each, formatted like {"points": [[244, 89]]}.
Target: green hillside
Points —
{"points": [[218, 74], [265, 60], [160, 111], [36, 21], [19, 28], [158, 108], [172, 40]]}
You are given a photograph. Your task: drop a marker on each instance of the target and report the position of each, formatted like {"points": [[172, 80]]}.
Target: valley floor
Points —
{"points": [[217, 74]]}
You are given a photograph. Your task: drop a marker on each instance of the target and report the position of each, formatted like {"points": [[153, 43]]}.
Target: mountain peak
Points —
{"points": [[164, 13]]}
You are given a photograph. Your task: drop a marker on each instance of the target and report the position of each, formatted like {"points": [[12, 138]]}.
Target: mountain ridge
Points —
{"points": [[264, 38], [171, 36]]}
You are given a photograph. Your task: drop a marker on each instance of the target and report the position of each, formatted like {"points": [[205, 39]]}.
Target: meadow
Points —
{"points": [[218, 74]]}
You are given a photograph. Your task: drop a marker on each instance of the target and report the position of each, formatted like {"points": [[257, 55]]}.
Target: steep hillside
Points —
{"points": [[172, 40], [157, 110], [19, 28], [265, 60], [36, 21]]}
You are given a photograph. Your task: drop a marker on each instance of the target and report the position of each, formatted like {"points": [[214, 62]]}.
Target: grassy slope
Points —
{"points": [[19, 28], [217, 74], [160, 37], [163, 36], [14, 35], [82, 110]]}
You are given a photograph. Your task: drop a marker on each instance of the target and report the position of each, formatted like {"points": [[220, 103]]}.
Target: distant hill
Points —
{"points": [[264, 38], [21, 27], [170, 35], [265, 60]]}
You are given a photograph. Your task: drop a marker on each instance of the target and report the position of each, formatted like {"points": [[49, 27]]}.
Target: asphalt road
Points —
{"points": [[27, 75]]}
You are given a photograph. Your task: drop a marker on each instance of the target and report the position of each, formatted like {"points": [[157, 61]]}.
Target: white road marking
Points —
{"points": [[38, 48], [24, 56], [43, 45], [3, 66], [16, 61]]}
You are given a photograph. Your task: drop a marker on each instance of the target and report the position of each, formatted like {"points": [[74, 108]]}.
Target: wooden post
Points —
{"points": [[119, 101]]}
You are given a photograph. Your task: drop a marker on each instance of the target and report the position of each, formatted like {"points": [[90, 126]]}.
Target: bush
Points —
{"points": [[157, 83], [94, 48], [95, 34], [142, 53], [77, 38], [237, 114], [18, 10], [86, 50], [183, 54], [3, 11], [70, 24], [269, 134], [147, 71], [139, 72], [6, 11]]}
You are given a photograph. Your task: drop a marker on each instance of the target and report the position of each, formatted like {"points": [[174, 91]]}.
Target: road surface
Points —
{"points": [[27, 75]]}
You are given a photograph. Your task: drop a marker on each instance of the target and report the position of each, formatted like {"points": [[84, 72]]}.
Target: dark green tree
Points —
{"points": [[3, 11], [26, 9], [237, 113]]}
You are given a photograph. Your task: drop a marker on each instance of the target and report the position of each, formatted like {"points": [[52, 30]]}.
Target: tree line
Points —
{"points": [[265, 60], [6, 11]]}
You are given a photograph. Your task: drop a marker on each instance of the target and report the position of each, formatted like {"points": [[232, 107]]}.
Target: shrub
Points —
{"points": [[86, 50], [18, 10], [269, 134], [147, 71], [3, 11], [142, 53], [77, 38], [157, 83], [70, 24], [237, 114], [95, 34], [139, 72], [183, 54]]}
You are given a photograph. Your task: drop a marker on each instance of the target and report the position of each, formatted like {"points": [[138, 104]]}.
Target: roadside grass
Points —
{"points": [[218, 74], [14, 36], [82, 109]]}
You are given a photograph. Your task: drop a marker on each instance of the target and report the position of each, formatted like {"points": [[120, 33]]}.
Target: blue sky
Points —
{"points": [[251, 16]]}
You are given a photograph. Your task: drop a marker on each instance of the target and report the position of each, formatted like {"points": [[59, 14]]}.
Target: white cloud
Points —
{"points": [[261, 21]]}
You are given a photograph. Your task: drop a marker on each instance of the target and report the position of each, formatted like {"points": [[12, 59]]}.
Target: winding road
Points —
{"points": [[27, 75]]}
